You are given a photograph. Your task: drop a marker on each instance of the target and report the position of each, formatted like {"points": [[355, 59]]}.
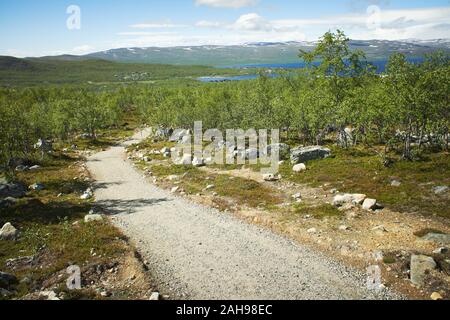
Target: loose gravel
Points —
{"points": [[196, 252]]}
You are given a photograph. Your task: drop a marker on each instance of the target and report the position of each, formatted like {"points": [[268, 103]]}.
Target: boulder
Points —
{"points": [[7, 280], [93, 218], [8, 202], [440, 189], [251, 154], [299, 167], [304, 154], [282, 148], [420, 266], [369, 204], [197, 162], [8, 232], [438, 238], [341, 199], [15, 190]]}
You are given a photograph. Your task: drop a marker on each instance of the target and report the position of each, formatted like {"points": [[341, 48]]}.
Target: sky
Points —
{"points": [[53, 27]]}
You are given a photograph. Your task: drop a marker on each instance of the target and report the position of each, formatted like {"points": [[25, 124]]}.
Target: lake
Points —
{"points": [[379, 64]]}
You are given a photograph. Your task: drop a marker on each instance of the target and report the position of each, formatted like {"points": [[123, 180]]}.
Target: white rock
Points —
{"points": [[8, 232], [154, 296], [312, 230], [396, 183], [369, 204], [173, 177], [344, 228], [93, 218], [341, 199], [197, 162], [174, 189], [209, 187], [299, 167], [297, 196]]}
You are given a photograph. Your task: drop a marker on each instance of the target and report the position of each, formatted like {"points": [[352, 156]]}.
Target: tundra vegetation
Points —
{"points": [[380, 127]]}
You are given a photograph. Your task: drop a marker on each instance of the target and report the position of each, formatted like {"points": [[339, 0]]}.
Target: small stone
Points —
{"points": [[33, 168], [197, 162], [420, 266], [312, 230], [297, 196], [440, 190], [344, 228], [93, 218], [396, 183], [174, 189], [299, 168], [154, 296], [436, 296], [8, 232], [369, 204], [209, 187]]}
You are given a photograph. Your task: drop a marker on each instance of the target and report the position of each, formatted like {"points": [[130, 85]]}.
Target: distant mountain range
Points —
{"points": [[255, 53]]}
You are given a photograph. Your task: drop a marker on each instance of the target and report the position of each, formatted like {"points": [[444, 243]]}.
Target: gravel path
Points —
{"points": [[196, 252]]}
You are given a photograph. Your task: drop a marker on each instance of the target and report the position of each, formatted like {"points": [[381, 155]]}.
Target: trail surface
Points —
{"points": [[196, 252]]}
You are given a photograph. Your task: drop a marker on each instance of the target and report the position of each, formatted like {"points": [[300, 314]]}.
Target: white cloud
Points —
{"points": [[252, 22], [235, 4], [157, 25], [209, 24]]}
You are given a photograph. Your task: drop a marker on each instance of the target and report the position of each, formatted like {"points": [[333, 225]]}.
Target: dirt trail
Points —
{"points": [[197, 252]]}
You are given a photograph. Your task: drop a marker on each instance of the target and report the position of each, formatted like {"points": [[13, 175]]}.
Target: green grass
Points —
{"points": [[46, 225], [51, 71], [318, 212], [243, 191], [359, 171]]}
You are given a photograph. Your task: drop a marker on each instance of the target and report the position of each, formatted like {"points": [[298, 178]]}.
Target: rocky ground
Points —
{"points": [[411, 249]]}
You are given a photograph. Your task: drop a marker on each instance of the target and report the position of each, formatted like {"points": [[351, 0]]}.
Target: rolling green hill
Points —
{"points": [[45, 71]]}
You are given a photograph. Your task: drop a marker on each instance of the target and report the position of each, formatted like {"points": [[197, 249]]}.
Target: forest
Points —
{"points": [[404, 111]]}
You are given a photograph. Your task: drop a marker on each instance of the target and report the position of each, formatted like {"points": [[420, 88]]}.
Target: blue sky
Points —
{"points": [[35, 28]]}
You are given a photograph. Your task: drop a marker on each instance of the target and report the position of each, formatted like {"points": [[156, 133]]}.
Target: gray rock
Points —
{"points": [[21, 168], [5, 293], [251, 154], [438, 238], [8, 202], [15, 190], [8, 232], [178, 135], [420, 266], [302, 155], [33, 168], [440, 189], [282, 148], [7, 279]]}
